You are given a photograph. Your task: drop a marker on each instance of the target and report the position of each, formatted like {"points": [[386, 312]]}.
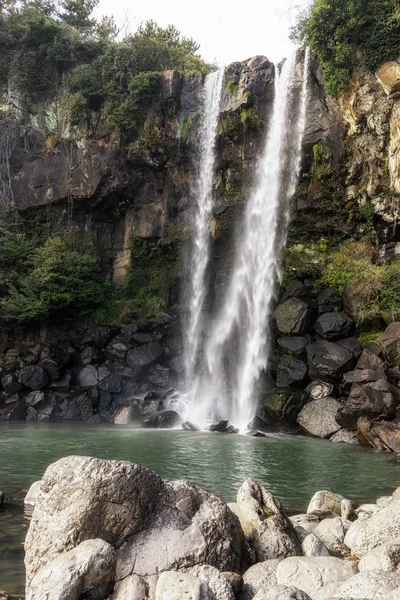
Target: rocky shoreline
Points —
{"points": [[114, 530]]}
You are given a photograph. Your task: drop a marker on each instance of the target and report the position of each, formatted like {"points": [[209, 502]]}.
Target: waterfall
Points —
{"points": [[237, 349], [202, 219]]}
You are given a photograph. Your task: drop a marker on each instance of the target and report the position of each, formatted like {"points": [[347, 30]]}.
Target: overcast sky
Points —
{"points": [[227, 30]]}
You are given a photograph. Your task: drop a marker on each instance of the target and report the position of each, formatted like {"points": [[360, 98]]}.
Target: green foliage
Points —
{"points": [[77, 13], [352, 263], [184, 127], [305, 260], [39, 282], [346, 34], [367, 212], [143, 294], [251, 119], [390, 288], [321, 166], [369, 337], [232, 87]]}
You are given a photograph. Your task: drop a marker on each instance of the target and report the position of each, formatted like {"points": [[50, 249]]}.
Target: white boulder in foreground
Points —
{"points": [[112, 530]]}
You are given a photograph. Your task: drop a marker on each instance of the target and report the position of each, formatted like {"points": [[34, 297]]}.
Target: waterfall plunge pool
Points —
{"points": [[291, 467]]}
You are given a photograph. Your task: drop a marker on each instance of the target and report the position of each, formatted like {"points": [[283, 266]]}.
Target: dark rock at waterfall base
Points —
{"points": [[13, 412], [333, 326], [362, 376], [151, 406], [145, 354], [5, 596], [296, 289], [217, 426], [382, 436], [294, 316], [372, 400], [63, 384], [33, 377], [159, 376], [89, 355], [318, 418], [34, 398], [87, 377], [370, 360], [283, 405], [257, 423], [111, 384], [329, 361], [118, 347], [294, 345], [162, 420], [291, 372], [10, 385], [329, 300], [353, 345], [256, 433], [2, 498], [231, 429], [188, 426]]}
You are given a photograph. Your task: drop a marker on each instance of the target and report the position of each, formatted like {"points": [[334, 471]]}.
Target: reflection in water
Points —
{"points": [[291, 467]]}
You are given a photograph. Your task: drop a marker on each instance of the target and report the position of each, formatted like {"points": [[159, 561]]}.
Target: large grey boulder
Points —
{"points": [[173, 585], [87, 571], [281, 592], [329, 361], [144, 355], [376, 399], [343, 436], [291, 372], [294, 345], [383, 558], [269, 531], [370, 585], [318, 418], [311, 574], [294, 316], [390, 344], [381, 527], [332, 532], [131, 588], [154, 526], [215, 580], [260, 576], [325, 504], [313, 546]]}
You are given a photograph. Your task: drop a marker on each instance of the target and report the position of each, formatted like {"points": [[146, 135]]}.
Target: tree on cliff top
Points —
{"points": [[348, 34]]}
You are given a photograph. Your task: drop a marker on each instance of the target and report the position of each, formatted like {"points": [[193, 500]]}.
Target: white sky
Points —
{"points": [[227, 30]]}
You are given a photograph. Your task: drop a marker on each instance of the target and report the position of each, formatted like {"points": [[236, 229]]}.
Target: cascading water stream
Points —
{"points": [[237, 350], [202, 220]]}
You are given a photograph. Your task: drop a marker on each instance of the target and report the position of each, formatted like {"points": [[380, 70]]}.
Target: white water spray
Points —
{"points": [[229, 388], [202, 219]]}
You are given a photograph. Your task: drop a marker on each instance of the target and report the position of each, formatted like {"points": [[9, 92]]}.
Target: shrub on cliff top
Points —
{"points": [[347, 34]]}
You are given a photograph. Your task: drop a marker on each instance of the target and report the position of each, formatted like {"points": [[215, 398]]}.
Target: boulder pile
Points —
{"points": [[112, 530]]}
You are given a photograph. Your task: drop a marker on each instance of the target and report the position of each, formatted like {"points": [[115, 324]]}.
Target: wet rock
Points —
{"points": [[118, 348], [325, 504], [145, 354], [159, 376], [34, 398], [294, 345], [313, 546], [257, 423], [377, 399], [284, 404], [318, 418], [291, 372], [269, 531], [78, 408], [217, 427], [188, 426], [294, 316], [319, 390], [333, 326], [88, 377], [130, 330], [382, 436], [311, 574], [111, 384], [231, 429], [48, 411], [89, 569], [10, 385], [144, 338], [14, 411], [296, 289], [261, 576], [329, 300], [126, 414], [89, 355], [63, 384], [33, 377], [151, 405], [344, 437], [162, 420], [329, 361], [2, 498], [177, 364], [256, 433]]}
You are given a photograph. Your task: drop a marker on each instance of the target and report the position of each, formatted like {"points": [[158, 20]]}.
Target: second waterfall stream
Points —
{"points": [[222, 371]]}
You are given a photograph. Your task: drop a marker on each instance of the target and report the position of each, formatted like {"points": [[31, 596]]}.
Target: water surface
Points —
{"points": [[291, 467]]}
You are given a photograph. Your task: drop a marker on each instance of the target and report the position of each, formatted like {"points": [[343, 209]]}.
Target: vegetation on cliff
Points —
{"points": [[58, 52], [348, 34]]}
